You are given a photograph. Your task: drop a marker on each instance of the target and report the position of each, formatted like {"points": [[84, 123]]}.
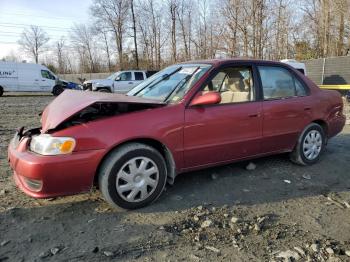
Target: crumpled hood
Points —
{"points": [[71, 102]]}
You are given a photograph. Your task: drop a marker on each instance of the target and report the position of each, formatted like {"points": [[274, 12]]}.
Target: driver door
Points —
{"points": [[227, 131], [123, 83], [46, 81]]}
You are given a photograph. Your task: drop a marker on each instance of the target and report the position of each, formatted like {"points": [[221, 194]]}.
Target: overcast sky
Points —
{"points": [[54, 16]]}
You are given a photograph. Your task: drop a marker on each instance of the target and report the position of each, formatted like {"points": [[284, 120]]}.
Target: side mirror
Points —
{"points": [[210, 98], [118, 78]]}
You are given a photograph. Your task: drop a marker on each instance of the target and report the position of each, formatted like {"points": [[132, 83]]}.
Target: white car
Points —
{"points": [[297, 65], [26, 77], [119, 82]]}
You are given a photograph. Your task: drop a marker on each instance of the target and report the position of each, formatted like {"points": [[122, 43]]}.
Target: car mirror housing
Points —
{"points": [[118, 78], [209, 98]]}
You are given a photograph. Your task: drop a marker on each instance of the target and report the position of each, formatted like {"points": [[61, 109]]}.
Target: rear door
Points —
{"points": [[139, 77], [9, 76], [227, 131], [286, 107]]}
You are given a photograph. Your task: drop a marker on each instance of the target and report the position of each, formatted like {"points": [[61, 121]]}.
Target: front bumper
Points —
{"points": [[59, 175]]}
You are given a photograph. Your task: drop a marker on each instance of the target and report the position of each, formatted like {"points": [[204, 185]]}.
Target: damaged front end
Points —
{"points": [[101, 110], [75, 108]]}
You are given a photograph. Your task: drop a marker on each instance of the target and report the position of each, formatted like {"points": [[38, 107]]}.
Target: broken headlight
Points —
{"points": [[48, 145]]}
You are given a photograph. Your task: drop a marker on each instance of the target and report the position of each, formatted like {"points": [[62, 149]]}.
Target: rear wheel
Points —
{"points": [[132, 176], [310, 145], [57, 90], [1, 91]]}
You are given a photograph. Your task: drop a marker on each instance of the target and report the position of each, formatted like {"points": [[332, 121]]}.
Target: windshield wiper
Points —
{"points": [[176, 89], [151, 85]]}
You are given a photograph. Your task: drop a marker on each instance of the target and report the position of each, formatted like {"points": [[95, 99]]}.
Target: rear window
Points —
{"points": [[138, 76]]}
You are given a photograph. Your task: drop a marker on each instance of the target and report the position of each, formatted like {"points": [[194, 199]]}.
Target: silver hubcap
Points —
{"points": [[137, 179], [312, 144]]}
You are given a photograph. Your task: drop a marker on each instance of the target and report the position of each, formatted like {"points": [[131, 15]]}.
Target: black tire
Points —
{"points": [[1, 91], [298, 155], [57, 90], [104, 90], [113, 164]]}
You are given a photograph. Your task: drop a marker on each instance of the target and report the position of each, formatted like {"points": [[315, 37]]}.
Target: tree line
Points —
{"points": [[150, 34]]}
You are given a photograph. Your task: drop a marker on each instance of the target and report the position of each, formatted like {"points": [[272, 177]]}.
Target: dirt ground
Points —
{"points": [[276, 212]]}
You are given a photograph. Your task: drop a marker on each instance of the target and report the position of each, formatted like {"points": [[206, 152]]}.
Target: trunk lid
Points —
{"points": [[71, 102]]}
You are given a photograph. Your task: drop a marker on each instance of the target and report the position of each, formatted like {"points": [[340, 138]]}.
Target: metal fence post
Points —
{"points": [[323, 69]]}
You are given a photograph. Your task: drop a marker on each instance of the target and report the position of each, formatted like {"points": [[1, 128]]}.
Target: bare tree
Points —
{"points": [[33, 41], [83, 41], [113, 14], [173, 8], [135, 32], [60, 45]]}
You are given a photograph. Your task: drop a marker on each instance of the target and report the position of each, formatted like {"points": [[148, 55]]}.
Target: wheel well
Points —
{"points": [[161, 148], [323, 124], [104, 87]]}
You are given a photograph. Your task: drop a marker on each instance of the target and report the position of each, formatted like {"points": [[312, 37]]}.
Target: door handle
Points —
{"points": [[307, 108], [36, 79], [255, 115], [130, 83], [43, 80]]}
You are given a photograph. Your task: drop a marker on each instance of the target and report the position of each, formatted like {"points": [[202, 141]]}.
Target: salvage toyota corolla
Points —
{"points": [[187, 117]]}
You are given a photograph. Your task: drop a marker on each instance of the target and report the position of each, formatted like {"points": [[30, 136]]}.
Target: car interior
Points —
{"points": [[233, 84]]}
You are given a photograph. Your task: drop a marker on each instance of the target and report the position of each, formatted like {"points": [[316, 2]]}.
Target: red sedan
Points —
{"points": [[186, 117]]}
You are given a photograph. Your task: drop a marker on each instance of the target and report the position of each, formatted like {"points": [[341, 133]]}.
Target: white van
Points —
{"points": [[25, 77], [297, 65]]}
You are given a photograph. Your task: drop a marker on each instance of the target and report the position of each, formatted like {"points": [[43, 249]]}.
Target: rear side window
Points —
{"points": [[138, 76], [278, 82], [301, 71]]}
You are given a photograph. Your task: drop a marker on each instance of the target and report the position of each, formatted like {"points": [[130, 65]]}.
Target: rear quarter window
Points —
{"points": [[278, 82]]}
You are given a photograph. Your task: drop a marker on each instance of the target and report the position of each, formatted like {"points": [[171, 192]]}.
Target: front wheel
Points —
{"points": [[57, 90], [104, 90], [132, 176], [309, 146]]}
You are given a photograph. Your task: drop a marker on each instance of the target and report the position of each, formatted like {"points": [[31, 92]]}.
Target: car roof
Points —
{"points": [[219, 62]]}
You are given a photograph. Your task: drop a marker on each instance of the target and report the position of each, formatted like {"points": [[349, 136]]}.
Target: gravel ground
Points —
{"points": [[276, 212]]}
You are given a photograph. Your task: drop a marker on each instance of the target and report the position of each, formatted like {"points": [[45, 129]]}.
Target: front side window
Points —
{"points": [[235, 85], [46, 74], [126, 76], [278, 82]]}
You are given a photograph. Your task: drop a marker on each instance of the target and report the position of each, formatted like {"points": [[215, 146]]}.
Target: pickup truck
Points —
{"points": [[119, 82]]}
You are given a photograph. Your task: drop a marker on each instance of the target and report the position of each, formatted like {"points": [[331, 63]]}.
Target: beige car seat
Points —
{"points": [[237, 88]]}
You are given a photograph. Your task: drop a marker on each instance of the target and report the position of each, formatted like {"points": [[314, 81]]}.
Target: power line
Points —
{"points": [[20, 33], [44, 26], [4, 42], [41, 16]]}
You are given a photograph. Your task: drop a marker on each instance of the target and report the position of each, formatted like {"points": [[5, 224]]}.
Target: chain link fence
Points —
{"points": [[329, 71]]}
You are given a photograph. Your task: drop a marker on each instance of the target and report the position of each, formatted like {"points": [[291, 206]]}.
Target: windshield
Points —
{"points": [[113, 76], [170, 84]]}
